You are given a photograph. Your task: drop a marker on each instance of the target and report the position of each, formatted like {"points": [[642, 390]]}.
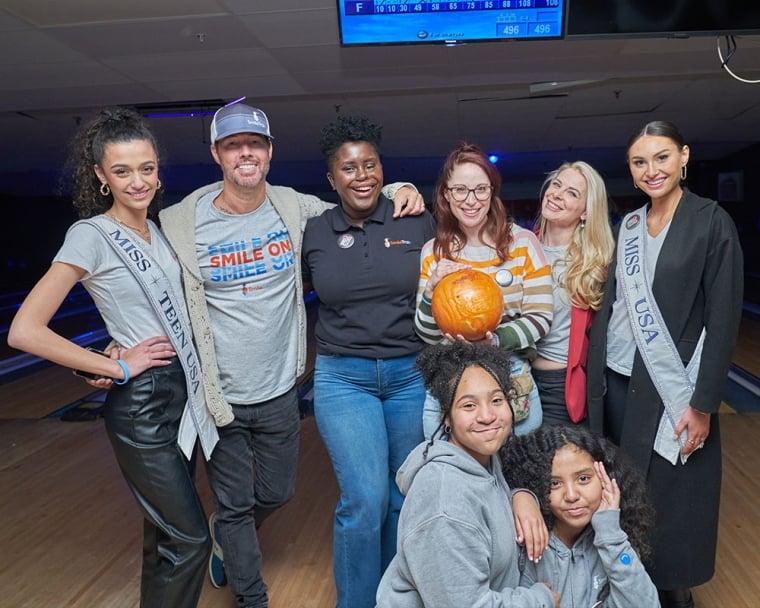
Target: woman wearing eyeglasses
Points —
{"points": [[473, 230]]}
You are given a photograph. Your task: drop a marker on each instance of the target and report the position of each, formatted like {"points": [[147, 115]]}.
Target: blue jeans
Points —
{"points": [[369, 413], [431, 414], [252, 471]]}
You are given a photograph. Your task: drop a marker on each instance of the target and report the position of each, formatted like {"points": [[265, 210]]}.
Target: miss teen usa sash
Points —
{"points": [[196, 420], [674, 383]]}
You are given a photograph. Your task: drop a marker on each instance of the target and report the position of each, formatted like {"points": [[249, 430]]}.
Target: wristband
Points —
{"points": [[125, 369]]}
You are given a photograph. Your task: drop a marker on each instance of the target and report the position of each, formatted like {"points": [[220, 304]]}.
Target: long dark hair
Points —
{"points": [[86, 149], [527, 463]]}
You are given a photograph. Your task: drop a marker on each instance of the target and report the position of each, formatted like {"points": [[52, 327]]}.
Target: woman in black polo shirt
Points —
{"points": [[368, 396]]}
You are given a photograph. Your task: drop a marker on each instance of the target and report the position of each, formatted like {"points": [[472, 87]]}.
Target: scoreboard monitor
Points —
{"points": [[368, 22]]}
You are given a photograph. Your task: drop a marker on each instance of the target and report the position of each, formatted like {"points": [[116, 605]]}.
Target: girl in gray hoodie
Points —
{"points": [[595, 507], [456, 534]]}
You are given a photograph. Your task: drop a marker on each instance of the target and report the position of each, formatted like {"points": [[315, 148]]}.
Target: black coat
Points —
{"points": [[698, 283]]}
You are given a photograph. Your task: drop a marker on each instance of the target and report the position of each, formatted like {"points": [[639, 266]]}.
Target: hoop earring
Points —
{"points": [[447, 429], [105, 189], [683, 173], [159, 185], [635, 186]]}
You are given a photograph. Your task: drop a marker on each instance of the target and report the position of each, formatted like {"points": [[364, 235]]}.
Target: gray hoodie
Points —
{"points": [[456, 537], [601, 555]]}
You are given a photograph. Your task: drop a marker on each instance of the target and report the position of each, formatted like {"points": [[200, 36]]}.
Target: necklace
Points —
{"points": [[143, 232], [219, 202], [222, 207], [247, 205]]}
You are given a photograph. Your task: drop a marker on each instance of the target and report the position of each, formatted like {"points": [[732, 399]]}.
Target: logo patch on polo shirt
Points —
{"points": [[345, 241]]}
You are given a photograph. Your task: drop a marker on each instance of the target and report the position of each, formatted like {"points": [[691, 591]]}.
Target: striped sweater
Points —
{"points": [[528, 307]]}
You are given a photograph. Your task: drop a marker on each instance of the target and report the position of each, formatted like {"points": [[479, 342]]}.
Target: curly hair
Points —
{"points": [[527, 463], [449, 238], [590, 250], [442, 365], [86, 149], [348, 129]]}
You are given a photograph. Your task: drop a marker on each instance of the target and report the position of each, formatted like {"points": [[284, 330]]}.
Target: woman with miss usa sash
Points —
{"points": [[659, 353], [155, 409]]}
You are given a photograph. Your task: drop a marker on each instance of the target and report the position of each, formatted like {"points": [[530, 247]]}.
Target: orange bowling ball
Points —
{"points": [[468, 303]]}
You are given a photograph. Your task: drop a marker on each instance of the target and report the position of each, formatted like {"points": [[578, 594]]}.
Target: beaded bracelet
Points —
{"points": [[125, 369]]}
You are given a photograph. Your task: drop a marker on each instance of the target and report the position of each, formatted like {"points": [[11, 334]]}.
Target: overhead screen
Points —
{"points": [[366, 22], [626, 18]]}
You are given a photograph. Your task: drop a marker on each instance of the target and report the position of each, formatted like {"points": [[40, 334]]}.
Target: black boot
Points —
{"points": [[676, 598]]}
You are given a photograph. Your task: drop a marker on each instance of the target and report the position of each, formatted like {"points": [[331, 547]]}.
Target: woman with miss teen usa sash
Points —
{"points": [[659, 353], [155, 409]]}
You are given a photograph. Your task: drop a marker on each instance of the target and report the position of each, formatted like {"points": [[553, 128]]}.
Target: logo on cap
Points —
{"points": [[239, 118]]}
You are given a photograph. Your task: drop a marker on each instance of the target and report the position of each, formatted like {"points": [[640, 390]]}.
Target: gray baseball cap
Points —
{"points": [[239, 118]]}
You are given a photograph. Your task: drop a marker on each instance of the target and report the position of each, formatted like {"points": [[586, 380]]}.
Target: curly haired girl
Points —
{"points": [[595, 507]]}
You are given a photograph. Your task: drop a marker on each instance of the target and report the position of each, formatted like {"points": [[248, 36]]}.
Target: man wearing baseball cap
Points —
{"points": [[239, 244], [239, 118]]}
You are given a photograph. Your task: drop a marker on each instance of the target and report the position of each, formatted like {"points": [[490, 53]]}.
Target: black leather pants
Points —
{"points": [[142, 420]]}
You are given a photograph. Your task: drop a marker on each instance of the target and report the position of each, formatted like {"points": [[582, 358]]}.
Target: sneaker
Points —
{"points": [[216, 560]]}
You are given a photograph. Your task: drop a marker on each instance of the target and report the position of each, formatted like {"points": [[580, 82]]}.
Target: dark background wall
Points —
{"points": [[36, 218]]}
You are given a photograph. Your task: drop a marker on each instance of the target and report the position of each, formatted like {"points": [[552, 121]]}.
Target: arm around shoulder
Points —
{"points": [[390, 190], [310, 205]]}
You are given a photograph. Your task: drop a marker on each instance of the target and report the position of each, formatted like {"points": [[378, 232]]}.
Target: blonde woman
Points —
{"points": [[575, 234]]}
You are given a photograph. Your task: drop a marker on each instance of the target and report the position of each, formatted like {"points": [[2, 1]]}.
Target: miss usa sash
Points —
{"points": [[674, 383], [196, 420]]}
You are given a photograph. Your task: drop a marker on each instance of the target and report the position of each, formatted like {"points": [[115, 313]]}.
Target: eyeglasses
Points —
{"points": [[460, 193]]}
